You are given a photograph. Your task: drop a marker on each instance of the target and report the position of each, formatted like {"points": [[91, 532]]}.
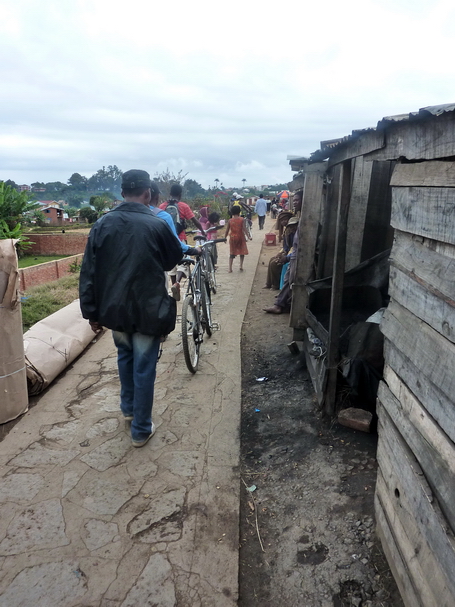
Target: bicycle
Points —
{"points": [[249, 226], [247, 216], [207, 256], [196, 312]]}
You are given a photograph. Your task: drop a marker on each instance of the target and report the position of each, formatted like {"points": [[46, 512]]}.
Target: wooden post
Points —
{"points": [[337, 287], [308, 235]]}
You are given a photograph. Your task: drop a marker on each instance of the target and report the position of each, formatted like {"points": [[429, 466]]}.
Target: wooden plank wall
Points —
{"points": [[310, 220], [415, 493]]}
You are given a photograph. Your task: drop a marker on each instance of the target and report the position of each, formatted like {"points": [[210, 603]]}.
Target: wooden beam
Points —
{"points": [[432, 173], [360, 145], [431, 353], [428, 139], [308, 231], [429, 212], [430, 264], [418, 523], [439, 405], [327, 239], [434, 451], [423, 300], [360, 190], [319, 330], [337, 288], [395, 555]]}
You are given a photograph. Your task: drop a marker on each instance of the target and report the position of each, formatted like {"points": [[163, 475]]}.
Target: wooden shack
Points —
{"points": [[346, 235], [415, 492]]}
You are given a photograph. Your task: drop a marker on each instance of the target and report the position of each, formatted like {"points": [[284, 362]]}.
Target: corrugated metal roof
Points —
{"points": [[328, 146]]}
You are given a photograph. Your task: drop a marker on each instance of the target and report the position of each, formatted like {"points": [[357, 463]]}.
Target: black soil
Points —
{"points": [[300, 477]]}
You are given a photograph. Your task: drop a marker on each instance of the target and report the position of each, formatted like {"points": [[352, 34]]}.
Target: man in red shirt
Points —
{"points": [[186, 213]]}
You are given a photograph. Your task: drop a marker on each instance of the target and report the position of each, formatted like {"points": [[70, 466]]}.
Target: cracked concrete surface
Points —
{"points": [[87, 520]]}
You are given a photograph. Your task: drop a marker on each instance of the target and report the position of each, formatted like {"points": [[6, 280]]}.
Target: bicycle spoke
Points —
{"points": [[191, 334]]}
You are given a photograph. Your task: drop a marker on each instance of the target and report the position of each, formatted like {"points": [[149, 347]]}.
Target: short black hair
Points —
{"points": [[214, 217], [236, 210], [176, 191]]}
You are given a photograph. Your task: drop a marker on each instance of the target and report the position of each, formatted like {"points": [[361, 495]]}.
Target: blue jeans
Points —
{"points": [[137, 358]]}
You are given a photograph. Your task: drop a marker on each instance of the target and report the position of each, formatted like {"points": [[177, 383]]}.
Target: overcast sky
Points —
{"points": [[219, 90]]}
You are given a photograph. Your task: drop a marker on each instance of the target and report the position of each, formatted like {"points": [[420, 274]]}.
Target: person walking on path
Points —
{"points": [[260, 208], [185, 211], [186, 249], [122, 287], [186, 214], [237, 232]]}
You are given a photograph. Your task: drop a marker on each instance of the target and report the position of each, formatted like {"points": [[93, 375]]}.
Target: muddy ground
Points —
{"points": [[307, 517]]}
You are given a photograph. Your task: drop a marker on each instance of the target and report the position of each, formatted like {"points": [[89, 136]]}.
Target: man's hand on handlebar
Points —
{"points": [[194, 251]]}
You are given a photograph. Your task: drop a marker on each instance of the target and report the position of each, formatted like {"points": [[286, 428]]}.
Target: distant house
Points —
{"points": [[48, 203], [54, 215], [24, 188]]}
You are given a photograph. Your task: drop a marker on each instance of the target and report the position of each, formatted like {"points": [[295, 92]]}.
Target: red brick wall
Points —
{"points": [[57, 244], [46, 272]]}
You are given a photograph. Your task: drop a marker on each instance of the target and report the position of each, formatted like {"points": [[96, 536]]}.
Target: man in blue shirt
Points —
{"points": [[186, 249], [260, 209]]}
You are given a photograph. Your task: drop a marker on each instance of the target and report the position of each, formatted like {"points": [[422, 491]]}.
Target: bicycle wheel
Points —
{"points": [[211, 274], [205, 306], [191, 334]]}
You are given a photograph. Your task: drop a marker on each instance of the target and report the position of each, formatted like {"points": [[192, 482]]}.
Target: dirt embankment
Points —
{"points": [[307, 515]]}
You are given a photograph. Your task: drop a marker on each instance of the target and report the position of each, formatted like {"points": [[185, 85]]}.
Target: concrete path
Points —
{"points": [[88, 521]]}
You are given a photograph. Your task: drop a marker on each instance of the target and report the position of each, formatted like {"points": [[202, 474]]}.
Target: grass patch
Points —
{"points": [[43, 300], [34, 260]]}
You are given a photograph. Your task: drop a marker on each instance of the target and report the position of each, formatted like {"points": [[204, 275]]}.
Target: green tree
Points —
{"points": [[56, 189], [78, 182], [89, 214], [74, 199], [100, 203], [38, 217], [109, 179], [166, 180], [71, 211], [192, 188], [14, 205], [11, 183]]}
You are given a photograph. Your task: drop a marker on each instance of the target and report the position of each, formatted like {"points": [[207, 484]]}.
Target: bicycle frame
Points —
{"points": [[196, 314]]}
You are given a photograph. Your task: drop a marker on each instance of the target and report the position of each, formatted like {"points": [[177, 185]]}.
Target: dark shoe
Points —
{"points": [[141, 443], [176, 291], [273, 310]]}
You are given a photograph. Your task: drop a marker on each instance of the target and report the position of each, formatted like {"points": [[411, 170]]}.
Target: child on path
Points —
{"points": [[237, 232]]}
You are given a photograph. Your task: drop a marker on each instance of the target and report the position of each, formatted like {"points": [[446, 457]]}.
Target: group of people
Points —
{"points": [[288, 222], [123, 287], [123, 284]]}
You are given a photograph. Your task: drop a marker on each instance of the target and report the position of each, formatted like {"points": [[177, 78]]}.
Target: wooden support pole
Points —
{"points": [[337, 287]]}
